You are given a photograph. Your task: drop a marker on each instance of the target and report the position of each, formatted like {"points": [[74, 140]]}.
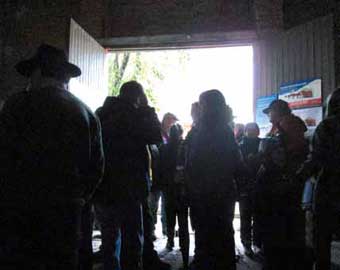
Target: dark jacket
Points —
{"points": [[325, 159], [172, 163], [213, 160], [126, 133], [284, 159], [250, 149], [154, 166], [278, 190], [50, 148]]}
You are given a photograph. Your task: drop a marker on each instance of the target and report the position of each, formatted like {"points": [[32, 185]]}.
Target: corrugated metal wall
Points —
{"points": [[303, 52], [89, 55]]}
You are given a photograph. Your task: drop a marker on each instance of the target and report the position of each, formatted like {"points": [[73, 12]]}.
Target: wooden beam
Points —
{"points": [[180, 41]]}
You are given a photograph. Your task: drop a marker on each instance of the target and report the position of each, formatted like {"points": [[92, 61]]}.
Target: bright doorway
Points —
{"points": [[174, 79]]}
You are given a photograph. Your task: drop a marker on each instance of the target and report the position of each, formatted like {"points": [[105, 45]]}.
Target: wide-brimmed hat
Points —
{"points": [[279, 105], [50, 60]]}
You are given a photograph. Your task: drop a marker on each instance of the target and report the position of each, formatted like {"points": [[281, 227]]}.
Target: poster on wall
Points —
{"points": [[312, 118], [262, 119], [302, 94]]}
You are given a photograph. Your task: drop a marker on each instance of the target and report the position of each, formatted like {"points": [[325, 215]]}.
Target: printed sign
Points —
{"points": [[262, 119], [302, 94], [311, 116]]}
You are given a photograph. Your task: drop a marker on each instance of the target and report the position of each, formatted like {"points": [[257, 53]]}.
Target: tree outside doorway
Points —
{"points": [[145, 67]]}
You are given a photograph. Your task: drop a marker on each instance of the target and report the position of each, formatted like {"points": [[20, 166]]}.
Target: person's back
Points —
{"points": [[126, 132], [129, 125], [212, 162], [326, 153], [249, 146], [250, 149], [51, 162], [49, 147], [326, 159]]}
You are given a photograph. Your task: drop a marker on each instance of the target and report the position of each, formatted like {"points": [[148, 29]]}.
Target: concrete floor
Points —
{"points": [[174, 257]]}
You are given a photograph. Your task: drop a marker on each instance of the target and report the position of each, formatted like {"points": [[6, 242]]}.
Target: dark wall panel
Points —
{"points": [[303, 52]]}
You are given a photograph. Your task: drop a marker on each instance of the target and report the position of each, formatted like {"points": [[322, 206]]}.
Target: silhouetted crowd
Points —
{"points": [[64, 168]]}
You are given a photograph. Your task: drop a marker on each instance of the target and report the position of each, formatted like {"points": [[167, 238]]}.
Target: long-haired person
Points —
{"points": [[212, 161]]}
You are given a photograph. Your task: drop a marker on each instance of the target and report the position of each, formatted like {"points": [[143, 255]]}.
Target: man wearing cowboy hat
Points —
{"points": [[51, 162]]}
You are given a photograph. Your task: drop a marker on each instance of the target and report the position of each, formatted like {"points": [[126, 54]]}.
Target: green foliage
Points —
{"points": [[124, 67], [117, 67], [145, 67]]}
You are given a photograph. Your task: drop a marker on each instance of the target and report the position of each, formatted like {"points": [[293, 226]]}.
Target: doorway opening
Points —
{"points": [[173, 79]]}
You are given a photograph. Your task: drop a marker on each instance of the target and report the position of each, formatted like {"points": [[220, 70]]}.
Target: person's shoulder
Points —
{"points": [[192, 132], [77, 102], [292, 123], [110, 101], [146, 110], [329, 124], [68, 103], [107, 106], [330, 120], [115, 105]]}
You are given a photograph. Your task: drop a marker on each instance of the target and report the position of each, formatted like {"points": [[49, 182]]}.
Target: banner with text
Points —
{"points": [[312, 118], [302, 94]]}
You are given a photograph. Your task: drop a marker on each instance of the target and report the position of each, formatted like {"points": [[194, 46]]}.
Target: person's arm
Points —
{"points": [[163, 163], [155, 166], [322, 145], [240, 168], [148, 127], [96, 163], [320, 154]]}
